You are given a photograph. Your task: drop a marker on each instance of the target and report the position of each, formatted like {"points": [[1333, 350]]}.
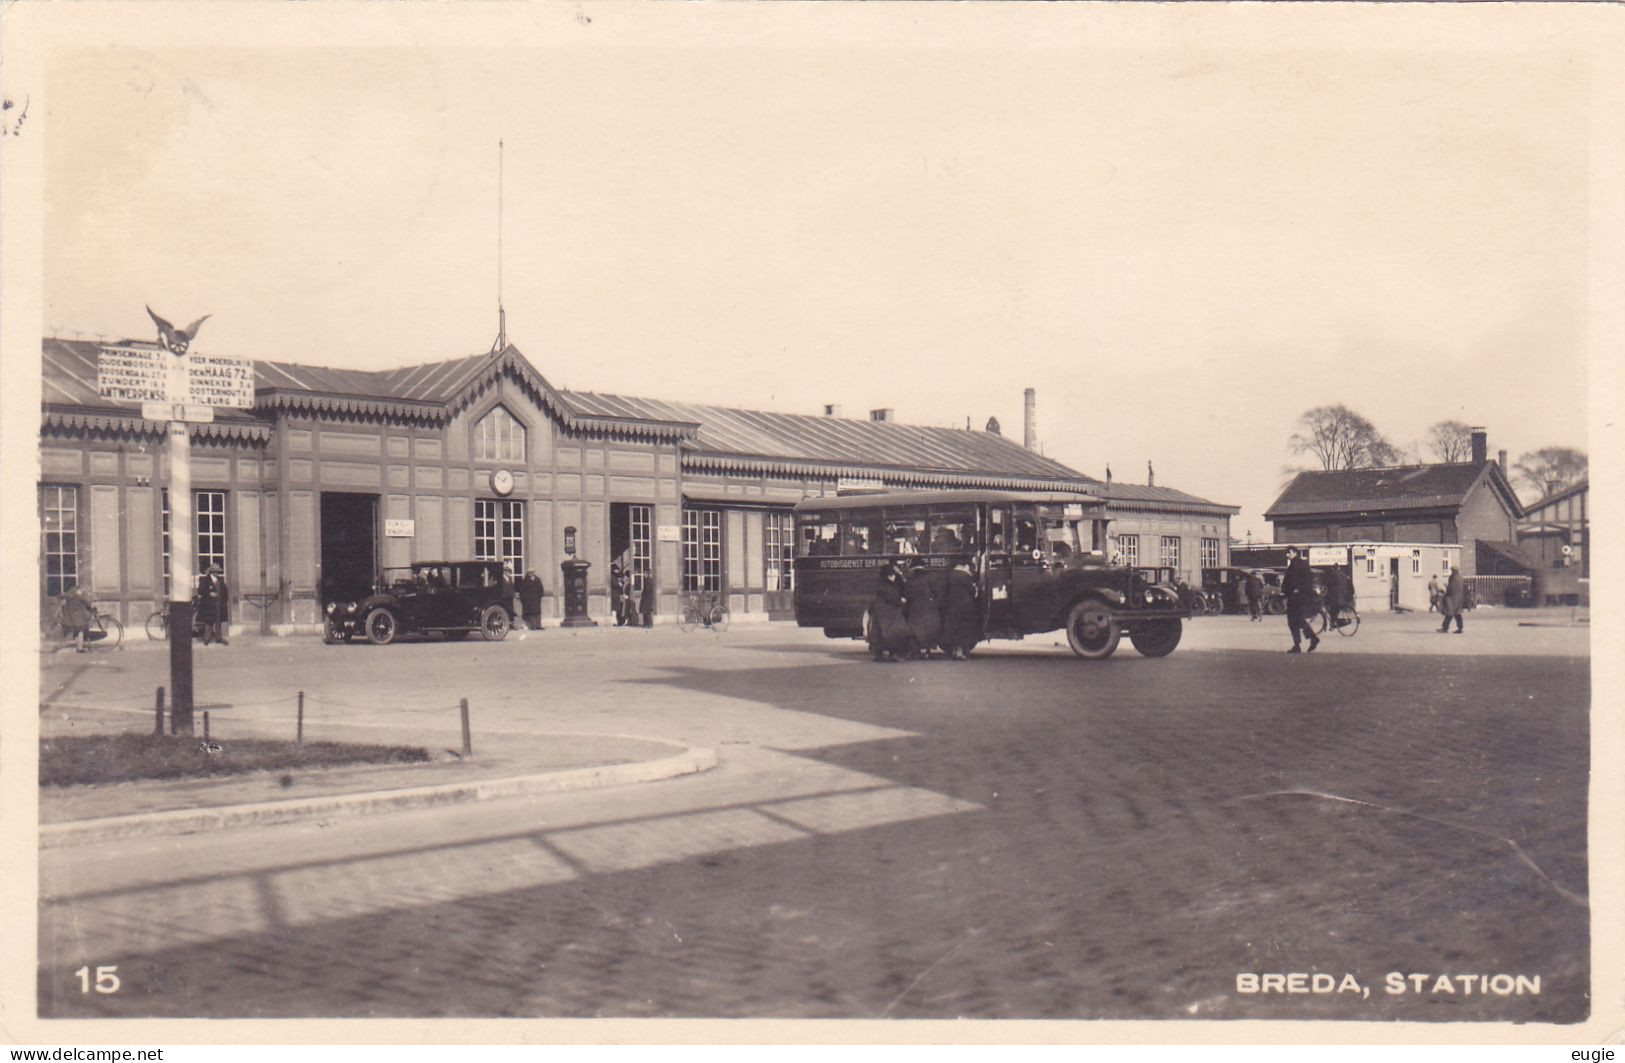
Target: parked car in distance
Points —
{"points": [[449, 598]]}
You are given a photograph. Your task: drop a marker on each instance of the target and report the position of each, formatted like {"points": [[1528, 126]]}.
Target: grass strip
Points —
{"points": [[87, 760]]}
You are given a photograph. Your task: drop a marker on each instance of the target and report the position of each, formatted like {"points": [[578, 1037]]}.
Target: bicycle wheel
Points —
{"points": [[718, 620], [158, 626], [114, 632], [690, 618], [1317, 621], [1348, 621]]}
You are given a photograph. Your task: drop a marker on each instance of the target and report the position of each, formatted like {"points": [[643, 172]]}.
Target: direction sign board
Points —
{"points": [[135, 374], [177, 411], [219, 380]]}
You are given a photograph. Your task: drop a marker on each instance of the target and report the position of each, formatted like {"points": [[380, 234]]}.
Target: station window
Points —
{"points": [[702, 549], [59, 522], [778, 552], [642, 520], [499, 532], [1128, 549], [209, 520], [499, 437], [1210, 553], [1170, 551]]}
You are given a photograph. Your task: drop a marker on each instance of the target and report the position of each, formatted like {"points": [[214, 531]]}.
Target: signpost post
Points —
{"points": [[183, 389]]}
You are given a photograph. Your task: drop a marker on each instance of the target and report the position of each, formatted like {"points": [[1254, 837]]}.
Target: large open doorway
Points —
{"points": [[349, 545], [631, 541]]}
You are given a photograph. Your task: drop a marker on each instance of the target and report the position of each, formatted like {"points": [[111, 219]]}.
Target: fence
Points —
{"points": [[1501, 590]]}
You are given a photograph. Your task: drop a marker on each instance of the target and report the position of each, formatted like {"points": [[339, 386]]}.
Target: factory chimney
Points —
{"points": [[1029, 422], [1481, 446]]}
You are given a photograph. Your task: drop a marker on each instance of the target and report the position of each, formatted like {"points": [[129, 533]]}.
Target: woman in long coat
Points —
{"points": [[961, 614], [924, 609], [890, 637]]}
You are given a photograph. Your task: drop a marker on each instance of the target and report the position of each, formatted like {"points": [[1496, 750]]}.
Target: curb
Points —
{"points": [[189, 820]]}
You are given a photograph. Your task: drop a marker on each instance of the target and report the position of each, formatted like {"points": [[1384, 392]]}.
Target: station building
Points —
{"points": [[334, 474]]}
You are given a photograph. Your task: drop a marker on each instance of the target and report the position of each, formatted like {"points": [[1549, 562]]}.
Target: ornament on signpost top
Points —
{"points": [[176, 340]]}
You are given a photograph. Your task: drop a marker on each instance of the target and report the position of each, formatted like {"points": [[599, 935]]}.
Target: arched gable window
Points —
{"points": [[499, 437]]}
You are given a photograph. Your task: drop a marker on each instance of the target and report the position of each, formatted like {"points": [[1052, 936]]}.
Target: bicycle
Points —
{"points": [[1345, 623], [158, 625], [705, 611], [104, 632]]}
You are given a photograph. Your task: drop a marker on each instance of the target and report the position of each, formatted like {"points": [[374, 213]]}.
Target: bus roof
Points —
{"points": [[888, 499]]}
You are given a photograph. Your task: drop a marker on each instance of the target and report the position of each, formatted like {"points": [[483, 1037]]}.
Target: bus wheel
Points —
{"points": [[1092, 629], [1156, 638]]}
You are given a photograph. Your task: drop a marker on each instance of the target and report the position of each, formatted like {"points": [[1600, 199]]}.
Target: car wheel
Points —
{"points": [[1091, 628], [494, 623], [1275, 606], [381, 627], [331, 633], [1156, 638]]}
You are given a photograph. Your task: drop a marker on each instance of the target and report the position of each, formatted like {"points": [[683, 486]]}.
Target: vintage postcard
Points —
{"points": [[902, 523]]}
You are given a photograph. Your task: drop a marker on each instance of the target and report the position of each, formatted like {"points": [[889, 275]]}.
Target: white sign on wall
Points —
{"points": [[669, 533], [395, 528], [1328, 555]]}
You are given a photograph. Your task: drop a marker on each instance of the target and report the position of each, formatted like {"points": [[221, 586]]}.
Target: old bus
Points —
{"points": [[1041, 563]]}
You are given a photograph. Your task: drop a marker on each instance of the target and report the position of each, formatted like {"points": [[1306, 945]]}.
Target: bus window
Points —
{"points": [[1061, 530], [953, 532], [819, 538], [857, 537], [905, 536], [1026, 534], [998, 529]]}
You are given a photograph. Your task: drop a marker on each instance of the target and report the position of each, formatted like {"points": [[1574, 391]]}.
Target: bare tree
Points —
{"points": [[1450, 441], [1551, 468], [1339, 438]]}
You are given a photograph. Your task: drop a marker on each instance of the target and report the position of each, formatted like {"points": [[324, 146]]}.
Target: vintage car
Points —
{"points": [[449, 598]]}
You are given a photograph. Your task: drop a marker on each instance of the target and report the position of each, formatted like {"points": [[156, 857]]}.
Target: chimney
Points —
{"points": [[832, 409], [1501, 456], [1029, 419], [1481, 446], [993, 426], [885, 413], [1150, 474], [1108, 474]]}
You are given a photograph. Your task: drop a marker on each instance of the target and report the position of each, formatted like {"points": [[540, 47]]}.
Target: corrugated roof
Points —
{"points": [[1400, 487], [833, 440], [1148, 493]]}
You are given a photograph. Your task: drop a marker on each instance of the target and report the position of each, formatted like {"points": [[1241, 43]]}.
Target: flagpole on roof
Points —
{"points": [[501, 343]]}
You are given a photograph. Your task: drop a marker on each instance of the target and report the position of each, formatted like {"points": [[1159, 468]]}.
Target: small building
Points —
{"points": [[1554, 539], [1385, 575], [334, 474], [1466, 503]]}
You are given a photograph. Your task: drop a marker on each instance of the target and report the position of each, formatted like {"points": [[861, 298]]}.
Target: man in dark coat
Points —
{"points": [[961, 614], [530, 599], [1454, 601], [646, 602], [1299, 587], [924, 610], [890, 637], [1252, 588], [212, 606], [617, 594]]}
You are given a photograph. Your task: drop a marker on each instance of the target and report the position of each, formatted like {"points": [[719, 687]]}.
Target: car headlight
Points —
{"points": [[330, 607], [349, 607]]}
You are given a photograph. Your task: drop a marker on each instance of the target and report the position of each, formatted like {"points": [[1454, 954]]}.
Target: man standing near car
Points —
{"points": [[1299, 587], [212, 606], [530, 599]]}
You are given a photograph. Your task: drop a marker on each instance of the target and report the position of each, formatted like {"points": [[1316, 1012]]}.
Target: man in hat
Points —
{"points": [[530, 599], [1299, 587], [212, 606]]}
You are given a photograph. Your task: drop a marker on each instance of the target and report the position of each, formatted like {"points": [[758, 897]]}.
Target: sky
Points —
{"points": [[1182, 246]]}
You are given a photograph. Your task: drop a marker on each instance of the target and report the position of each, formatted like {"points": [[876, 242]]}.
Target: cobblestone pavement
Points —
{"points": [[1021, 836]]}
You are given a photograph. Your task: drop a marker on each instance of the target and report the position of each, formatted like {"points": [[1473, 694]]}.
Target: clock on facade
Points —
{"points": [[502, 482]]}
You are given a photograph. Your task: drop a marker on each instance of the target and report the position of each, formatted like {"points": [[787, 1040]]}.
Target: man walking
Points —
{"points": [[1299, 587], [1453, 601], [1252, 590]]}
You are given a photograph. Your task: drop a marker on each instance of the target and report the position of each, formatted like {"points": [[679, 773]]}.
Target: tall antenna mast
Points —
{"points": [[502, 315]]}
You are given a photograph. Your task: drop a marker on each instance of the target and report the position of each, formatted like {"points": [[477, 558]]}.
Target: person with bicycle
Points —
{"points": [[75, 615]]}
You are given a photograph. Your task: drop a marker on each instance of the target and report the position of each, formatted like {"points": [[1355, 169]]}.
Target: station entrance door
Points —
{"points": [[349, 545]]}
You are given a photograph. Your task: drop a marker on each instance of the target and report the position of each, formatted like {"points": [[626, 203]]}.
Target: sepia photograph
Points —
{"points": [[832, 517]]}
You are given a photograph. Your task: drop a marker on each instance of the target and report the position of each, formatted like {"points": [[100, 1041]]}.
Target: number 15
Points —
{"points": [[106, 979]]}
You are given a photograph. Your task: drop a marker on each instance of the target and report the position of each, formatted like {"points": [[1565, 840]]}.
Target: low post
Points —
{"points": [[205, 725], [158, 711], [299, 736], [468, 741]]}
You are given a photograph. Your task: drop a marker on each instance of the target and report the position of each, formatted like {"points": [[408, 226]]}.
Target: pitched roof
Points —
{"points": [[1148, 496], [1559, 495], [1400, 487]]}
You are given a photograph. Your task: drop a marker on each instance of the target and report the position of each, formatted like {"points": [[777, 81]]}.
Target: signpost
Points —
{"points": [[183, 388]]}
